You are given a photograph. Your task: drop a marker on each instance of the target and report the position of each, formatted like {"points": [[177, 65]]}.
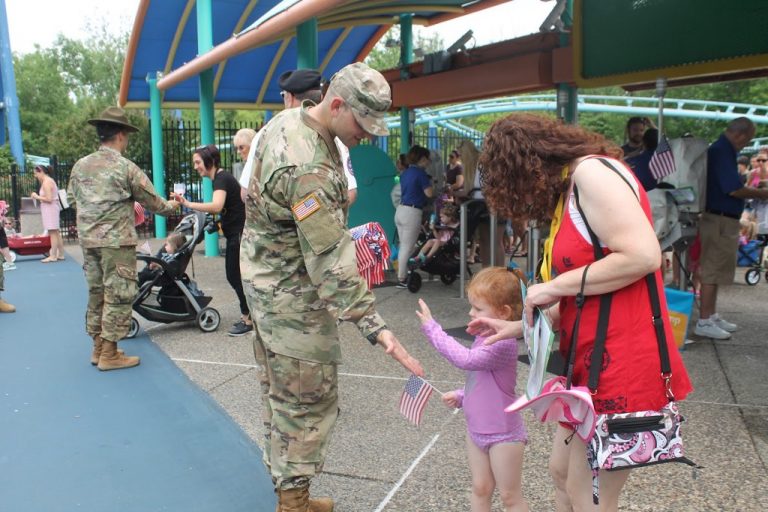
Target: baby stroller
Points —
{"points": [[168, 295], [751, 255], [446, 263]]}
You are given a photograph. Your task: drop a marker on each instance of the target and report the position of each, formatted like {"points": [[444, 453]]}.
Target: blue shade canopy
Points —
{"points": [[164, 39]]}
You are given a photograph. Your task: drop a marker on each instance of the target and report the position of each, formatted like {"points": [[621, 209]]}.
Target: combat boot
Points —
{"points": [[6, 308], [298, 500], [97, 342], [110, 359]]}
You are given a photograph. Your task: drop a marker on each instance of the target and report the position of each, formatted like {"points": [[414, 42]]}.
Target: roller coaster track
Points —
{"points": [[446, 117]]}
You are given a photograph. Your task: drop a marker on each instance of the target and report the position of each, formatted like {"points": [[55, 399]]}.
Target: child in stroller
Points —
{"points": [[166, 293], [437, 253]]}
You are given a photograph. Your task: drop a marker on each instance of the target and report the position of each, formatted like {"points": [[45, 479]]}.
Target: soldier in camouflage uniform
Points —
{"points": [[299, 272], [103, 188]]}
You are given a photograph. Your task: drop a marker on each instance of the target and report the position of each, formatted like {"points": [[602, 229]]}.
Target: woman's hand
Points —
{"points": [[35, 196], [178, 198], [538, 295], [425, 315], [451, 399], [495, 329]]}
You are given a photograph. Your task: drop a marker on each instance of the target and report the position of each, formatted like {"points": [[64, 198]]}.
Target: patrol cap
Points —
{"points": [[113, 115], [367, 93], [298, 81]]}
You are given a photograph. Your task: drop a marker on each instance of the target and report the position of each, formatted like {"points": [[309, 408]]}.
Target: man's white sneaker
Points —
{"points": [[708, 329], [723, 324]]}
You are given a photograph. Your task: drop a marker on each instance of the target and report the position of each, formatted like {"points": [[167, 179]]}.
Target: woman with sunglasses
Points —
{"points": [[227, 202], [49, 211], [534, 167]]}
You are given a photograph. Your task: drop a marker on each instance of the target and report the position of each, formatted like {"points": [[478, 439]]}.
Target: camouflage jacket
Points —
{"points": [[103, 187], [297, 258]]}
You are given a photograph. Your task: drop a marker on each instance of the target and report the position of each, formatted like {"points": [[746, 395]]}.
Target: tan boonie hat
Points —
{"points": [[114, 115], [367, 93]]}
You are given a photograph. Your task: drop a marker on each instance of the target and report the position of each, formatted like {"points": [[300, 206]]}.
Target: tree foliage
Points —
{"points": [[384, 57]]}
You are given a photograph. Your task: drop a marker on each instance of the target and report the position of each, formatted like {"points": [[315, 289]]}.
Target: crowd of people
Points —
{"points": [[291, 263]]}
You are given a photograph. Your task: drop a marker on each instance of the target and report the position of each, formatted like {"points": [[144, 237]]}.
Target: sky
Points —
{"points": [[32, 22]]}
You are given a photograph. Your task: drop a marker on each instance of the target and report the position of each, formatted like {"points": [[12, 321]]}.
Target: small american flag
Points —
{"points": [[306, 207], [414, 399], [663, 161]]}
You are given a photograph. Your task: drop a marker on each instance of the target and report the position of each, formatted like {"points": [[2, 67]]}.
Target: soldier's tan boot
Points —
{"points": [[97, 342], [6, 308], [298, 500], [110, 359]]}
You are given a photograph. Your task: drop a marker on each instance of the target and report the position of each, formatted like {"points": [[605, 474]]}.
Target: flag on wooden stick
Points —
{"points": [[414, 398]]}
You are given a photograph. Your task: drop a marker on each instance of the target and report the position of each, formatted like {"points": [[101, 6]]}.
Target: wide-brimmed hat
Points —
{"points": [[113, 115], [367, 93]]}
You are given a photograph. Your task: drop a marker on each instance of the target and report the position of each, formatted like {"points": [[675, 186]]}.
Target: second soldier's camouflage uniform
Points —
{"points": [[300, 276], [103, 187]]}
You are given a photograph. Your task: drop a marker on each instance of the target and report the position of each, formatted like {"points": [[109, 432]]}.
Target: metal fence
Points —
{"points": [[180, 138]]}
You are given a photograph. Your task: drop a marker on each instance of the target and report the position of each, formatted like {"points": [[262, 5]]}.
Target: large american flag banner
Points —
{"points": [[372, 252], [663, 161], [414, 398]]}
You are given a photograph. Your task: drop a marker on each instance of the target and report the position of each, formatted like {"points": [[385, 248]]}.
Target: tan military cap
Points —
{"points": [[114, 115], [367, 93]]}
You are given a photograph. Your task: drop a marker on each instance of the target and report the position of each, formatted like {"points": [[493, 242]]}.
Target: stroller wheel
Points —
{"points": [[752, 277], [447, 279], [414, 282], [208, 319], [133, 330]]}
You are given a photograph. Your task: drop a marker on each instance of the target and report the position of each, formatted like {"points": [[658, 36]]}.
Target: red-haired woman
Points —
{"points": [[531, 167]]}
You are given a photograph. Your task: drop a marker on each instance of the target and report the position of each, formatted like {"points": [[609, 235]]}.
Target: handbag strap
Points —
{"points": [[657, 319], [575, 330], [601, 331]]}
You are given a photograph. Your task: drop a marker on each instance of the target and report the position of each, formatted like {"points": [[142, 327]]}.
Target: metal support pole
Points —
{"points": [[463, 250], [661, 90], [534, 236], [406, 58], [204, 45], [306, 42], [156, 131], [492, 239]]}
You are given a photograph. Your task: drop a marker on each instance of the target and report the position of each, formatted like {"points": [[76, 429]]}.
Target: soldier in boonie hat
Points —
{"points": [[115, 116], [367, 93]]}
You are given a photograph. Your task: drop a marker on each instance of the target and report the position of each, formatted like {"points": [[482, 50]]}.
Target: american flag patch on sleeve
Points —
{"points": [[306, 207]]}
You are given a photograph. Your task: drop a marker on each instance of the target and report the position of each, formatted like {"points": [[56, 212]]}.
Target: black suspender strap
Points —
{"points": [[575, 330]]}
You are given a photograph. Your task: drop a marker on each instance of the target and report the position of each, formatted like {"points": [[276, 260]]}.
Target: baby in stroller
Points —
{"points": [[166, 293], [167, 253], [440, 254]]}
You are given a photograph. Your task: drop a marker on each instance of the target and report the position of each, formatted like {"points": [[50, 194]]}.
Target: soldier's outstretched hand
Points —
{"points": [[393, 347]]}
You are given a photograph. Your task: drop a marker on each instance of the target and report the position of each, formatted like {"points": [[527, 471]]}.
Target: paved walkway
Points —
{"points": [[377, 462]]}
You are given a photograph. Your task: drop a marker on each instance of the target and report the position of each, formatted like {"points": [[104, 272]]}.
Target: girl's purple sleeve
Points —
{"points": [[460, 397], [483, 357]]}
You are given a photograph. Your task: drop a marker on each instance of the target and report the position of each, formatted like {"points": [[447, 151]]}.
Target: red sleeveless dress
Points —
{"points": [[630, 374]]}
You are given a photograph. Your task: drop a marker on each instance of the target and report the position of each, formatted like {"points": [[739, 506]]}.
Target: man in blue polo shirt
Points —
{"points": [[719, 226]]}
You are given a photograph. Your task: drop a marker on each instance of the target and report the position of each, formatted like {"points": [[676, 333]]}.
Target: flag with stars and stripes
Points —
{"points": [[414, 398], [663, 161]]}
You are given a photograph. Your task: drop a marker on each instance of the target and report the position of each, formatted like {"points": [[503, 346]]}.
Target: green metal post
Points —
{"points": [[204, 45], [406, 58], [306, 42], [567, 95], [158, 167]]}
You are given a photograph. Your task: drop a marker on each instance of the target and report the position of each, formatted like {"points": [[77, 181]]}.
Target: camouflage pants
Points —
{"points": [[300, 400], [110, 274]]}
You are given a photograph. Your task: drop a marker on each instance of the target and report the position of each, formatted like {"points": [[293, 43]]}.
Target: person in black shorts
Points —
{"points": [[227, 201]]}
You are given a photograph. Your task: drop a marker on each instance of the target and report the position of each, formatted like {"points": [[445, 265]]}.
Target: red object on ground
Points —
{"points": [[29, 245]]}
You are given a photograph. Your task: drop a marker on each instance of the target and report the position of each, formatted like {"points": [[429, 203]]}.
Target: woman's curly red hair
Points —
{"points": [[522, 161]]}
